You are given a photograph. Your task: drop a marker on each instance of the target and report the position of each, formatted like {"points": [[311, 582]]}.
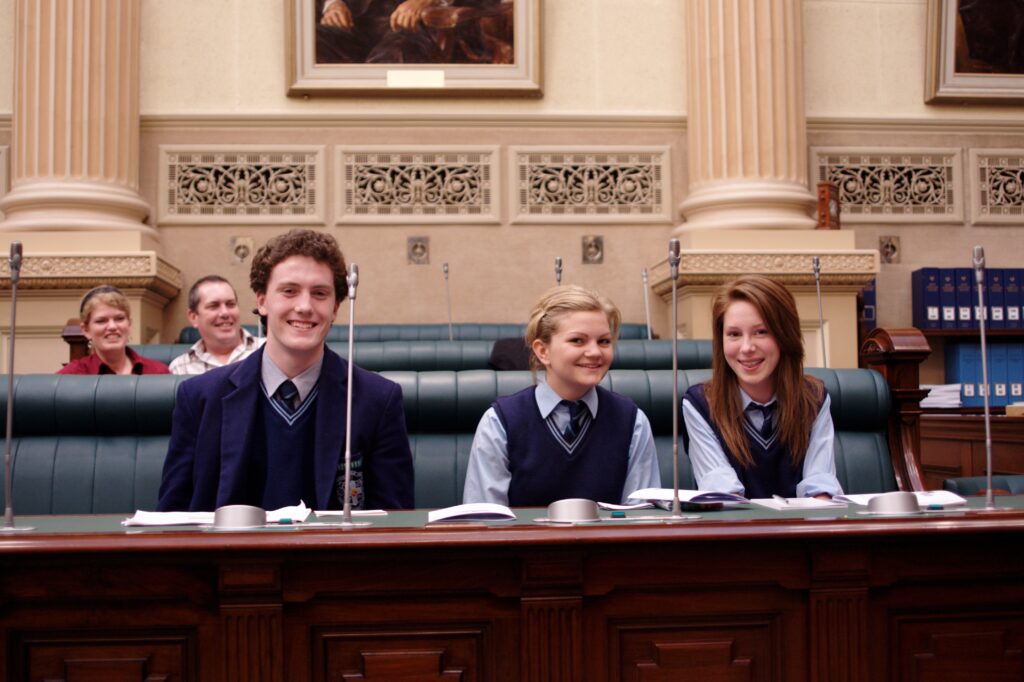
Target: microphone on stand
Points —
{"points": [[647, 302], [816, 263], [558, 270], [673, 265], [448, 296], [978, 260], [346, 510], [15, 265]]}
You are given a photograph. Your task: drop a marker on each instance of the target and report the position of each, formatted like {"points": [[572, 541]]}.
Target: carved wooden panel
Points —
{"points": [[417, 184], [552, 639], [839, 635], [961, 648], [112, 657], [240, 184], [893, 185], [430, 652], [739, 649], [590, 185], [252, 638], [996, 179]]}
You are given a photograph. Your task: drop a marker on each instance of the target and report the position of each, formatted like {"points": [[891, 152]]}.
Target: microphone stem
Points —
{"points": [[346, 513], [647, 303], [989, 501], [8, 463], [821, 316]]}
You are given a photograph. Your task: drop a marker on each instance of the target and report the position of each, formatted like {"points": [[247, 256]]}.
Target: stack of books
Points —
{"points": [[1005, 372], [947, 298]]}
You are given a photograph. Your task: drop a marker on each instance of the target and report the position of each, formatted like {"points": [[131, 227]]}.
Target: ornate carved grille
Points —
{"points": [[580, 186], [203, 185], [895, 185], [999, 193], [413, 185]]}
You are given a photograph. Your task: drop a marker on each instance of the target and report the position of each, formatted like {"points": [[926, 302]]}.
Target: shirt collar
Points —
{"points": [[548, 400], [247, 343], [273, 377], [747, 400]]}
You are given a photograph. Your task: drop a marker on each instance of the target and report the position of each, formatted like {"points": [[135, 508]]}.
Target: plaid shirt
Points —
{"points": [[196, 360]]}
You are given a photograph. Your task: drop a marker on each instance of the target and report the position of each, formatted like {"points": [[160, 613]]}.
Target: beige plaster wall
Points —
{"points": [[600, 57]]}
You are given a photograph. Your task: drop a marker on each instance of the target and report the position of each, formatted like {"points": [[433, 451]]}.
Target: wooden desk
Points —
{"points": [[738, 595], [954, 446]]}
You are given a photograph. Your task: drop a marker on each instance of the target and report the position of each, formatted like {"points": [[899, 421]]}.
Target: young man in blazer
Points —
{"points": [[269, 431]]}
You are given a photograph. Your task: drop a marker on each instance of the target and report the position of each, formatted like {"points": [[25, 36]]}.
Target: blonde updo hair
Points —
{"points": [[558, 302], [105, 294]]}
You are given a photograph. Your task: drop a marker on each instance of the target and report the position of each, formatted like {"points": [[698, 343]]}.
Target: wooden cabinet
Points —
{"points": [[953, 445]]}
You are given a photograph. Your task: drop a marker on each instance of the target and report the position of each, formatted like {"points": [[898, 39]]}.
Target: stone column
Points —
{"points": [[74, 159], [75, 125], [745, 116]]}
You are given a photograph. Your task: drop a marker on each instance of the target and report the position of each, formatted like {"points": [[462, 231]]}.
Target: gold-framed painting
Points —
{"points": [[413, 47], [974, 51]]}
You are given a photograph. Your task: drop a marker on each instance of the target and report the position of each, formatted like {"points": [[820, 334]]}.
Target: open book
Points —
{"points": [[924, 498], [665, 495], [472, 512]]}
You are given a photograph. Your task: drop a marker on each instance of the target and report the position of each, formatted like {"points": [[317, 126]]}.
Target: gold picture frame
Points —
{"points": [[499, 55], [963, 64]]}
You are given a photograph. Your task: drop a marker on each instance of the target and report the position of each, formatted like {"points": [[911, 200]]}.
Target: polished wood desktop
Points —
{"points": [[736, 595]]}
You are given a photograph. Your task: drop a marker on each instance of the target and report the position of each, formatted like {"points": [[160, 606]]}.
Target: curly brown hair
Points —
{"points": [[321, 247]]}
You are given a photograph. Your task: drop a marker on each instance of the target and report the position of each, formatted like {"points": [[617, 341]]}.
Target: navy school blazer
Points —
{"points": [[212, 430]]}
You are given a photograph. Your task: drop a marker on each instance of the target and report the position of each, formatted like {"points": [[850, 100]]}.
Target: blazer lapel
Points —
{"points": [[330, 426], [238, 417]]}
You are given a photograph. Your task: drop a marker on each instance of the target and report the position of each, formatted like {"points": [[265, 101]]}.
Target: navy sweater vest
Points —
{"points": [[543, 471], [288, 451], [773, 472]]}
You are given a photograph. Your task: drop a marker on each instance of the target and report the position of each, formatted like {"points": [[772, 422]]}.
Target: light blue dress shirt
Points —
{"points": [[711, 465], [488, 475]]}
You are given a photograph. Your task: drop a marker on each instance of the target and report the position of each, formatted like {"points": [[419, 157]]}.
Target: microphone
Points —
{"points": [[673, 265], [647, 302], [816, 264], [15, 265], [978, 260], [558, 270], [448, 296], [346, 510]]}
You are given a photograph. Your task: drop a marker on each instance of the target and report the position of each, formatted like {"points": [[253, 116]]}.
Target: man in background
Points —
{"points": [[213, 310]]}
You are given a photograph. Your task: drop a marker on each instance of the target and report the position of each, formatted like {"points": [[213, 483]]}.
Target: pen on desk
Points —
{"points": [[780, 498]]}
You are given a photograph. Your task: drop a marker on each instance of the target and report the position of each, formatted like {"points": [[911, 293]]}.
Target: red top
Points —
{"points": [[91, 364]]}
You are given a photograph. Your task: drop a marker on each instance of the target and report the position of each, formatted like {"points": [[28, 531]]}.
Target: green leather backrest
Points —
{"points": [[968, 486], [426, 332], [426, 356], [89, 444]]}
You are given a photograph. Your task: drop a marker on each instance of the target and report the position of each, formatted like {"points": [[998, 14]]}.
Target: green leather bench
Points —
{"points": [[969, 486], [88, 444], [427, 332], [422, 356]]}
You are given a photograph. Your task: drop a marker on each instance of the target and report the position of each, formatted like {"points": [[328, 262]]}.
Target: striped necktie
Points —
{"points": [[286, 395], [577, 415]]}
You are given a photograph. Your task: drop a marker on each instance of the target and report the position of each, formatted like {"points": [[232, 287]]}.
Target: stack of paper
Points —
{"points": [[941, 395]]}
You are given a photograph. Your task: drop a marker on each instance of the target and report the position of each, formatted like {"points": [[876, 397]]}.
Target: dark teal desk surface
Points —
{"points": [[105, 532]]}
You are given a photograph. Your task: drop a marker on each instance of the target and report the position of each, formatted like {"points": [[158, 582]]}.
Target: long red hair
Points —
{"points": [[799, 396]]}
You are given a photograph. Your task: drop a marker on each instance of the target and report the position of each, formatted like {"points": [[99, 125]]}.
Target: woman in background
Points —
{"points": [[565, 437], [760, 426], [106, 322]]}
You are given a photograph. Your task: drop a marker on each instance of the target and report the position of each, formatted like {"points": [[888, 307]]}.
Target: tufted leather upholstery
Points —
{"points": [[976, 485], [426, 332], [89, 444], [424, 356]]}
